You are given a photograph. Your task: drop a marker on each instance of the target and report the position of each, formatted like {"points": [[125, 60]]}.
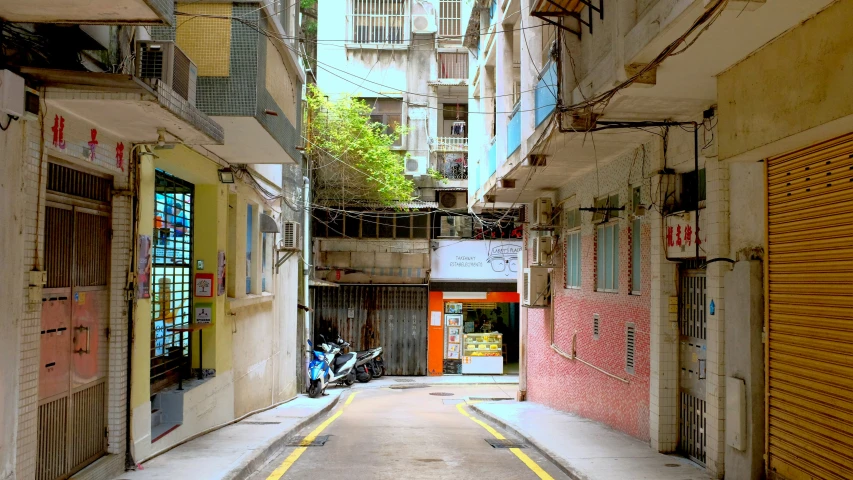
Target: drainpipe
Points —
{"points": [[306, 271]]}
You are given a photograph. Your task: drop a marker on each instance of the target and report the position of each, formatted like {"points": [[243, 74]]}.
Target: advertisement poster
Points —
{"points": [[453, 308], [494, 260], [143, 267], [435, 319], [220, 273], [453, 320], [203, 284], [453, 331]]}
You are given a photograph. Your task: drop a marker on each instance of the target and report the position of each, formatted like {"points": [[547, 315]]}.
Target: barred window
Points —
{"points": [[379, 21], [607, 267]]}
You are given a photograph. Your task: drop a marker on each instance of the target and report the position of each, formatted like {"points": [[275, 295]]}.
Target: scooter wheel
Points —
{"points": [[350, 379], [378, 371], [314, 390], [363, 376]]}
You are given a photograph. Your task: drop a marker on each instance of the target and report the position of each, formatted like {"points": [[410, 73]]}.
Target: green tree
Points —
{"points": [[352, 159]]}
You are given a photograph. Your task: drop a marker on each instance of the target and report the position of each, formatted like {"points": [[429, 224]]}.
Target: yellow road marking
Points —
{"points": [[294, 456], [533, 466]]}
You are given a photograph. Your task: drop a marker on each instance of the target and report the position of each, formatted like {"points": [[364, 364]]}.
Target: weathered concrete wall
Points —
{"points": [[255, 354], [746, 189], [786, 88], [12, 240], [745, 361]]}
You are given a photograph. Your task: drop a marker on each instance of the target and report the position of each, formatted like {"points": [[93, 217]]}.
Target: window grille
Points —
{"points": [[636, 256], [573, 259], [379, 21], [607, 267], [450, 18], [453, 65], [171, 274]]}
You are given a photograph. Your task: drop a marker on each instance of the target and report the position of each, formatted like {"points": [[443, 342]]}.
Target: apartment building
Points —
{"points": [[670, 186], [147, 297]]}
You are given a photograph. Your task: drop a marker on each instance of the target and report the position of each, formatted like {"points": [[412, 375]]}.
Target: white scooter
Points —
{"points": [[329, 365]]}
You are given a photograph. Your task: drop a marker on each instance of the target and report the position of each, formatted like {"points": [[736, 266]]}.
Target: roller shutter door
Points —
{"points": [[810, 312]]}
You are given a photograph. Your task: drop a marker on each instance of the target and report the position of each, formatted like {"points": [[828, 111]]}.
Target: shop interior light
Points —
{"points": [[226, 175]]}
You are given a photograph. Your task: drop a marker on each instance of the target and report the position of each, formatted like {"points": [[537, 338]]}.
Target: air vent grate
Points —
{"points": [[630, 347], [596, 326], [151, 62], [505, 443]]}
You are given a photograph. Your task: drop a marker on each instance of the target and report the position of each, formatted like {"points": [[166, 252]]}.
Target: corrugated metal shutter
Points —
{"points": [[393, 317], [810, 311]]}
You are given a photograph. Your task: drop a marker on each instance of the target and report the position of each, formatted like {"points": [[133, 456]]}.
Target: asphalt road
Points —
{"points": [[409, 433]]}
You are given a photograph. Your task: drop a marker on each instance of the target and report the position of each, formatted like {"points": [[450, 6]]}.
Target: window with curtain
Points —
{"points": [[636, 257], [573, 259], [607, 265]]}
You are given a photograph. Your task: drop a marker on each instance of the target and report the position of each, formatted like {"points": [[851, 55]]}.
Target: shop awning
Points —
{"points": [[127, 106]]}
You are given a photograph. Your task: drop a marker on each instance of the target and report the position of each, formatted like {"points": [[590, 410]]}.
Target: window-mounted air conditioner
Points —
{"points": [[423, 17], [536, 288], [543, 248], [451, 200], [165, 62], [542, 212], [456, 226], [417, 166], [289, 236]]}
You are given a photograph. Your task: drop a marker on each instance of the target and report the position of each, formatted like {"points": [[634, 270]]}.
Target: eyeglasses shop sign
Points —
{"points": [[495, 260]]}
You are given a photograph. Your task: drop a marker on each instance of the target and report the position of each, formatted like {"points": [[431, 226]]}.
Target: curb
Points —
{"points": [[548, 454], [263, 454]]}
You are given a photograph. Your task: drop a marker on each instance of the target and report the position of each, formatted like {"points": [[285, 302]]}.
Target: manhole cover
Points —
{"points": [[672, 465], [505, 443], [406, 387], [404, 380], [318, 441], [441, 394], [260, 423]]}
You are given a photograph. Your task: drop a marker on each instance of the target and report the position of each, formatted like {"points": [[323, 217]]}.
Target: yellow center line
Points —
{"points": [[294, 456], [533, 466]]}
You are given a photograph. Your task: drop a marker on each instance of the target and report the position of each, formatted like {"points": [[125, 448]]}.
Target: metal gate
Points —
{"points": [[693, 349], [810, 312], [393, 317], [75, 315]]}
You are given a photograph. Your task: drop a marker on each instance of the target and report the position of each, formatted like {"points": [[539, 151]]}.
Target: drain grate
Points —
{"points": [[505, 443], [404, 380], [442, 394], [260, 423], [406, 387], [318, 441], [672, 465]]}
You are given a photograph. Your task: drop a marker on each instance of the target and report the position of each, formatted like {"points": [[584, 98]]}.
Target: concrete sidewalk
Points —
{"points": [[585, 449], [237, 450]]}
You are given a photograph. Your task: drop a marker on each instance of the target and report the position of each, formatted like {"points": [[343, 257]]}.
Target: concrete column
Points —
{"points": [[503, 87], [716, 246], [529, 75], [663, 387]]}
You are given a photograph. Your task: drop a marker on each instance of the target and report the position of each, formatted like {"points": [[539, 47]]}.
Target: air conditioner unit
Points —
{"points": [[450, 200], [289, 236], [416, 166], [542, 212], [165, 62], [456, 226], [423, 17], [543, 248], [536, 287]]}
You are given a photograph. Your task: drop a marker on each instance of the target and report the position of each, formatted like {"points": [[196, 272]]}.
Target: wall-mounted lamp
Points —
{"points": [[226, 175]]}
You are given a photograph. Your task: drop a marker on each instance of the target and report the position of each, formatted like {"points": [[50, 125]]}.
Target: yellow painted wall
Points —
{"points": [[141, 355], [206, 40], [798, 82]]}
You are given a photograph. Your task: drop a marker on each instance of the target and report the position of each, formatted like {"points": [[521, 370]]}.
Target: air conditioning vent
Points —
{"points": [[416, 166], [165, 62], [451, 200], [630, 347], [542, 212], [536, 283], [543, 249], [456, 226], [423, 17], [289, 236]]}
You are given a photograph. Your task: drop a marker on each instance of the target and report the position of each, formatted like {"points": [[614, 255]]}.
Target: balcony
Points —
{"points": [[453, 66], [449, 144], [453, 166], [513, 131], [116, 12], [546, 93]]}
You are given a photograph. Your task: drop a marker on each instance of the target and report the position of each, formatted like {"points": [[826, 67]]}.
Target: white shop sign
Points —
{"points": [[493, 260], [681, 235]]}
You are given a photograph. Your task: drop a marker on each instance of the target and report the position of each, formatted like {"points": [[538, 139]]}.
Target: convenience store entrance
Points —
{"points": [[479, 336]]}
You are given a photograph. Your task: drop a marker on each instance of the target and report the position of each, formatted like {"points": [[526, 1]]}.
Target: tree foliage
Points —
{"points": [[351, 155]]}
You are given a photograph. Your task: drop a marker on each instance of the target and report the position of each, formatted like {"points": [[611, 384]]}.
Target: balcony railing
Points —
{"points": [[450, 144], [513, 131], [546, 93], [453, 65], [378, 21], [454, 166]]}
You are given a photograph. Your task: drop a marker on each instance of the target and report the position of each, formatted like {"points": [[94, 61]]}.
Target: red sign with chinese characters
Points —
{"points": [[683, 236]]}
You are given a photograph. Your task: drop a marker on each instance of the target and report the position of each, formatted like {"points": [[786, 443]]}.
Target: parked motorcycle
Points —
{"points": [[329, 365], [365, 364]]}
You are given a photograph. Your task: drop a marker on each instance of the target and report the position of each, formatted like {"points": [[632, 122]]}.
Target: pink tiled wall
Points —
{"points": [[572, 386]]}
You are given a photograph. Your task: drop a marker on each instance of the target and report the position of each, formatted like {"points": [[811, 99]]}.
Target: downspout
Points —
{"points": [[306, 272]]}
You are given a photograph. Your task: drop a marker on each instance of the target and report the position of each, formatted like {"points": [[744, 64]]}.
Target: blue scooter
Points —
{"points": [[329, 365]]}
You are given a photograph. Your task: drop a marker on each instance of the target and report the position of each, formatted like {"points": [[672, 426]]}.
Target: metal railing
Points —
{"points": [[453, 65], [546, 93], [450, 144], [450, 18], [378, 21], [454, 166]]}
